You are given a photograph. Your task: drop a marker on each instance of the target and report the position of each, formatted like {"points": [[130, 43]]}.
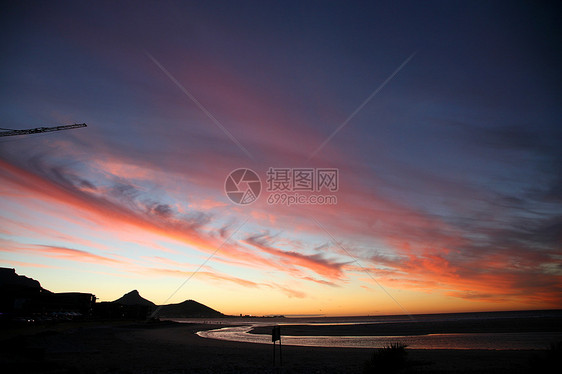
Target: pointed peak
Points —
{"points": [[133, 298]]}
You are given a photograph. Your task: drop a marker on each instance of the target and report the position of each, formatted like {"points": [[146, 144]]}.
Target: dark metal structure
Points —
{"points": [[39, 130]]}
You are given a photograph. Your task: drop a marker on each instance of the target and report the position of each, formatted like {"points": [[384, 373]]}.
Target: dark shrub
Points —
{"points": [[390, 359]]}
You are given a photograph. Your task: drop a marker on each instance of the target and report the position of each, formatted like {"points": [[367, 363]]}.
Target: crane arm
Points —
{"points": [[41, 129]]}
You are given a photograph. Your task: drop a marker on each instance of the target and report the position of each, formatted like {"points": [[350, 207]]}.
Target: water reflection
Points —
{"points": [[502, 341]]}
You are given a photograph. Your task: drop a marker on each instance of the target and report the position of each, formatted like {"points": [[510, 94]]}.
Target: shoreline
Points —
{"points": [[175, 348], [433, 341]]}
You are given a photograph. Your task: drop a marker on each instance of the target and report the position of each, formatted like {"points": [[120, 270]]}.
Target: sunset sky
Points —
{"points": [[442, 118]]}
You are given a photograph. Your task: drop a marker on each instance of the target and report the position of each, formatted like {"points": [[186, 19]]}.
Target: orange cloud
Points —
{"points": [[490, 277], [110, 215]]}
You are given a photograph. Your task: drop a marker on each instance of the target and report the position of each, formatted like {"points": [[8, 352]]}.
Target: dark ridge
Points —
{"points": [[188, 309], [8, 277], [23, 296], [134, 298]]}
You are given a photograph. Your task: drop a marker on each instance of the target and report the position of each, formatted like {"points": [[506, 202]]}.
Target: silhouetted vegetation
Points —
{"points": [[390, 359]]}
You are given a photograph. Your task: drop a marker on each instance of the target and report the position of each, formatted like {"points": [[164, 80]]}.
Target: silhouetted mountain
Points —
{"points": [[134, 298], [23, 296], [188, 309], [8, 277], [20, 295]]}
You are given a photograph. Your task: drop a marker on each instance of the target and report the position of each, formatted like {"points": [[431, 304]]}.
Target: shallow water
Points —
{"points": [[493, 330], [499, 341]]}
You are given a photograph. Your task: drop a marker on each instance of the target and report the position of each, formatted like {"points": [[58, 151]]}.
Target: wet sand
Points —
{"points": [[175, 348]]}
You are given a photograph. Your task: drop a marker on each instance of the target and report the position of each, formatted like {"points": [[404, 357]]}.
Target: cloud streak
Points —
{"points": [[316, 262]]}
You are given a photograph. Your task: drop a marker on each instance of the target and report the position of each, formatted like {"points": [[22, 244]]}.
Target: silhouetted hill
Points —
{"points": [[20, 295], [8, 277], [23, 296], [134, 298], [188, 309]]}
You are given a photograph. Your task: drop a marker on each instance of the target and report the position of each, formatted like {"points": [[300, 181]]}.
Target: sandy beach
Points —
{"points": [[175, 348]]}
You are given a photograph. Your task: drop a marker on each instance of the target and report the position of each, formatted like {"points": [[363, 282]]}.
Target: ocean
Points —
{"points": [[489, 330]]}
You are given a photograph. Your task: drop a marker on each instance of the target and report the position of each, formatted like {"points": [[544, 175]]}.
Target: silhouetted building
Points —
{"points": [[113, 310], [18, 294], [71, 302], [22, 296]]}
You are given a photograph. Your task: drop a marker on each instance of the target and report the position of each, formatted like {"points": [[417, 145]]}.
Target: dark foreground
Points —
{"points": [[174, 348]]}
